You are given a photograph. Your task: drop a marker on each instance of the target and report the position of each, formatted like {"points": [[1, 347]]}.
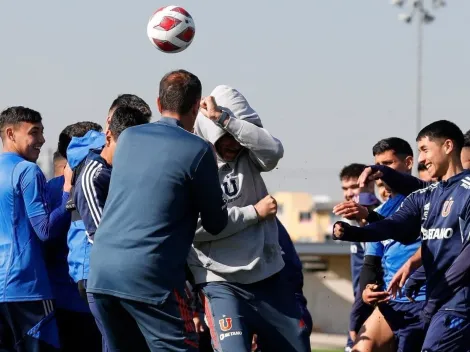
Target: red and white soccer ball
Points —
{"points": [[171, 29]]}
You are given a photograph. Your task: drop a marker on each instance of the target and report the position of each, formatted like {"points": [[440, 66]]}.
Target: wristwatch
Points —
{"points": [[223, 116]]}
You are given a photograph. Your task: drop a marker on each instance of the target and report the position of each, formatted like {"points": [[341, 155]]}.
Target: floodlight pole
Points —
{"points": [[419, 67], [423, 17]]}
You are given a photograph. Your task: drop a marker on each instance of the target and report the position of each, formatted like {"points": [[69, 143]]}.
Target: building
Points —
{"points": [[307, 218]]}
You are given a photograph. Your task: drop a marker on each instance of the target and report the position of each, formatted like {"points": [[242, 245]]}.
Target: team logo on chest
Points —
{"points": [[447, 207], [230, 186]]}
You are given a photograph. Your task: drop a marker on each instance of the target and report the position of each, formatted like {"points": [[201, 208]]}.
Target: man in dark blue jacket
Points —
{"points": [[442, 212], [77, 150], [397, 315], [92, 185], [164, 177], [364, 196]]}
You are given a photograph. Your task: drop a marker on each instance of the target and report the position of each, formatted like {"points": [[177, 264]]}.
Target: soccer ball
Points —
{"points": [[171, 29]]}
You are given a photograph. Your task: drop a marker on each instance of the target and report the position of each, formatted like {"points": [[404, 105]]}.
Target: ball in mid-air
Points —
{"points": [[171, 29]]}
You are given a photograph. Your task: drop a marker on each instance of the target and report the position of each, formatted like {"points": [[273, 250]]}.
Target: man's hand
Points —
{"points": [[367, 176], [351, 210], [399, 279], [198, 324], [412, 288], [67, 178], [266, 208], [372, 297], [210, 109]]}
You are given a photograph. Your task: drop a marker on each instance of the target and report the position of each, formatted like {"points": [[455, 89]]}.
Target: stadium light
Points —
{"points": [[424, 17]]}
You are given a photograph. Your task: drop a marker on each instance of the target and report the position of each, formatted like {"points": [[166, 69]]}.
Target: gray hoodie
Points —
{"points": [[247, 250]]}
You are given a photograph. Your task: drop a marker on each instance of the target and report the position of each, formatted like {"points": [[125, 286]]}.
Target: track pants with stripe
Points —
{"points": [[234, 312], [28, 326], [131, 326], [449, 331]]}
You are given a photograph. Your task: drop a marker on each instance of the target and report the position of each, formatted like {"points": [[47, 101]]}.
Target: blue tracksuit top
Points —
{"points": [[91, 191], [77, 241], [442, 212], [25, 221], [163, 177]]}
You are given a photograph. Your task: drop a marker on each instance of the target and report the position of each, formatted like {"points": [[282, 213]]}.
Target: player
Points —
{"points": [[365, 195], [92, 183], [77, 149], [398, 315], [442, 212], [163, 177], [91, 187], [238, 271], [77, 328], [27, 321]]}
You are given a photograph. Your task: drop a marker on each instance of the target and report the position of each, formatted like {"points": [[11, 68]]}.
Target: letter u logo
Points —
{"points": [[225, 324], [232, 189], [446, 208]]}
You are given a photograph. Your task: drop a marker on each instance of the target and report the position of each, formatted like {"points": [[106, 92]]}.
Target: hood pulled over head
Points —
{"points": [[235, 104]]}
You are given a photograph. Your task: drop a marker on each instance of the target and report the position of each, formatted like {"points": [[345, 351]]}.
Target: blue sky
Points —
{"points": [[329, 78]]}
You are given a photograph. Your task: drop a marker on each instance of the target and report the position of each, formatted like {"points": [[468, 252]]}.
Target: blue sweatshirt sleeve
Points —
{"points": [[46, 224], [90, 195], [457, 275], [399, 226], [207, 194], [400, 182]]}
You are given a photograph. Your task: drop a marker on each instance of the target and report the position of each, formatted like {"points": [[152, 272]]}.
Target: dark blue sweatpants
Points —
{"points": [[404, 320], [28, 327], [448, 332], [131, 326], [234, 312]]}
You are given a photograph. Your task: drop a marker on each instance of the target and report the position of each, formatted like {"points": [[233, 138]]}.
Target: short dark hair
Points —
{"points": [[466, 139], [179, 91], [443, 129], [78, 129], [132, 101], [124, 117], [400, 147], [352, 171], [421, 167], [57, 156], [17, 114]]}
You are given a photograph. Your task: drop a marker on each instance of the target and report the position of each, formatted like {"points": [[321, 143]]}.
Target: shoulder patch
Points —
{"points": [[465, 182], [429, 188]]}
